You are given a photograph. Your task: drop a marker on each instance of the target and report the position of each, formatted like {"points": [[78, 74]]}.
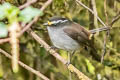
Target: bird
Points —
{"points": [[71, 36]]}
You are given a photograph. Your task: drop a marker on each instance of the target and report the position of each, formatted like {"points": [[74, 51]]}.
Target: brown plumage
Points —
{"points": [[81, 35]]}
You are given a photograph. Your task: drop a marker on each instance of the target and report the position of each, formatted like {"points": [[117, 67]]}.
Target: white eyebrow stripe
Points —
{"points": [[62, 21]]}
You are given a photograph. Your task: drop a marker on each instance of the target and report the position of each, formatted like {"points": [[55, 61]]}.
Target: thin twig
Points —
{"points": [[25, 66], [80, 3], [4, 40], [27, 4], [105, 38], [116, 18], [105, 11], [104, 50], [28, 26], [95, 13], [46, 4]]}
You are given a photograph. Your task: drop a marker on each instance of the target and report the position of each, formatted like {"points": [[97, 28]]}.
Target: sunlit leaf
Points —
{"points": [[11, 12], [90, 67], [2, 14], [28, 13], [63, 54], [1, 71], [3, 30]]}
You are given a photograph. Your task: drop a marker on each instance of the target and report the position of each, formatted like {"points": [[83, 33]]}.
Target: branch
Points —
{"points": [[116, 18], [80, 3], [80, 75], [104, 49], [25, 66], [105, 38], [46, 4], [95, 13], [27, 4], [4, 40]]}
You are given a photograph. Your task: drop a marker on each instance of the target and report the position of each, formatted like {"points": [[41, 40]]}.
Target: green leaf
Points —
{"points": [[90, 67], [11, 12], [3, 30], [28, 13], [2, 14], [1, 71]]}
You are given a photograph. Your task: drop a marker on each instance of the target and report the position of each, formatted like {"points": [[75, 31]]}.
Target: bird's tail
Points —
{"points": [[93, 31], [94, 53]]}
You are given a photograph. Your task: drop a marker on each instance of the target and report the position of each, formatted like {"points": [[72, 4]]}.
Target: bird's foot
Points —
{"points": [[53, 47], [68, 63]]}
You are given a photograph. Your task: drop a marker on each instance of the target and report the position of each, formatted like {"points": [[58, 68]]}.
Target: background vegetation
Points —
{"points": [[34, 55]]}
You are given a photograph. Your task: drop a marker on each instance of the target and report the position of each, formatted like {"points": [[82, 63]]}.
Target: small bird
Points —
{"points": [[71, 36]]}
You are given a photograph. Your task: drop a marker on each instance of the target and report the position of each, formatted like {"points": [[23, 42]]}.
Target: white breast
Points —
{"points": [[61, 40]]}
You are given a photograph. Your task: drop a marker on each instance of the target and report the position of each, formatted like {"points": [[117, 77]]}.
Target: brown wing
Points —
{"points": [[78, 33], [81, 35]]}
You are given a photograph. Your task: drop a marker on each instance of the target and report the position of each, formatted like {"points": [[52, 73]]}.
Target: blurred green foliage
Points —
{"points": [[12, 14], [34, 55], [28, 13], [9, 11]]}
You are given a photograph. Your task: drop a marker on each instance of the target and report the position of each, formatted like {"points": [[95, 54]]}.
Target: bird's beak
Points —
{"points": [[48, 23]]}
